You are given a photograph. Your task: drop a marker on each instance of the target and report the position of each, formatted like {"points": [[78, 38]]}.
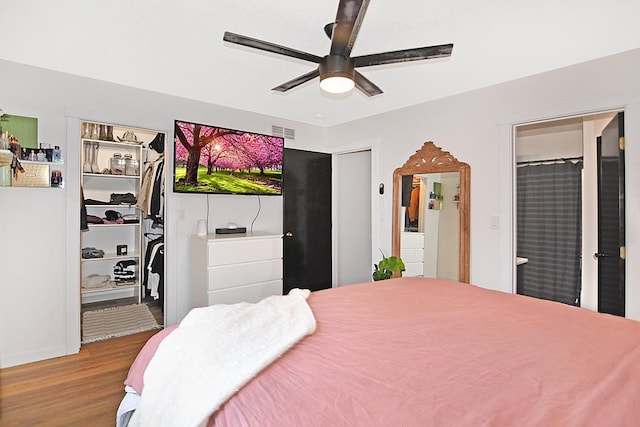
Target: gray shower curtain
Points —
{"points": [[549, 230]]}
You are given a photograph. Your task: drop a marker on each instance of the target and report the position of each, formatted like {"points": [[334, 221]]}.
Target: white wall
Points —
{"points": [[477, 128], [39, 243], [555, 143], [32, 262]]}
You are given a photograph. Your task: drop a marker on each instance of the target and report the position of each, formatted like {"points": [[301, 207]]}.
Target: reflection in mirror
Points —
{"points": [[431, 224], [431, 215]]}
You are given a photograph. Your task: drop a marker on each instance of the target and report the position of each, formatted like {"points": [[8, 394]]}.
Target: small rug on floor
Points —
{"points": [[111, 322]]}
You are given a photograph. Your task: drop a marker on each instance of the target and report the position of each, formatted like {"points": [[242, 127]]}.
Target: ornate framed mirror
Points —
{"points": [[431, 205]]}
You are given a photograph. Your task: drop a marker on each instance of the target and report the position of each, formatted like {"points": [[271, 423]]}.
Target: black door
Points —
{"points": [[611, 240], [307, 220]]}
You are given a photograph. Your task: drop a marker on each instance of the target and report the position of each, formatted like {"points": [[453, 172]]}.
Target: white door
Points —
{"points": [[353, 217]]}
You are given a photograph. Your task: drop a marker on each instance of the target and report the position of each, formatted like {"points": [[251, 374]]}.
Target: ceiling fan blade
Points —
{"points": [[297, 81], [366, 85], [406, 55], [269, 47], [345, 31]]}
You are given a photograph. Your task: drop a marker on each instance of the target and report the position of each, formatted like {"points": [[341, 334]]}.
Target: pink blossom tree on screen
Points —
{"points": [[192, 138], [252, 151], [213, 154]]}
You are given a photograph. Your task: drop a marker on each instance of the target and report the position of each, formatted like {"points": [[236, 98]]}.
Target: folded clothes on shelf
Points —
{"points": [[123, 199], [124, 276], [120, 265], [125, 283], [117, 221], [94, 202], [130, 219], [92, 219], [112, 215], [122, 273], [88, 253], [93, 281]]}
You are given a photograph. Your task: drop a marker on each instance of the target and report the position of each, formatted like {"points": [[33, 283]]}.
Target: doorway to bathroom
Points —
{"points": [[570, 210]]}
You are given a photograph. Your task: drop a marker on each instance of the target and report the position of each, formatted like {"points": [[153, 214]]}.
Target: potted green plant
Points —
{"points": [[385, 268]]}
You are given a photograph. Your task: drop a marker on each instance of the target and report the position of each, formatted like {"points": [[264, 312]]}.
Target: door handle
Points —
{"points": [[599, 255], [288, 234]]}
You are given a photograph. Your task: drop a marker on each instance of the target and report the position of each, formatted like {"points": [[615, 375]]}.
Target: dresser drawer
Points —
{"points": [[247, 293], [240, 251], [226, 276], [412, 255], [233, 268], [413, 269], [412, 240]]}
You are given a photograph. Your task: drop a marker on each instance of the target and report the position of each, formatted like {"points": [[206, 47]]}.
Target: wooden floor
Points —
{"points": [[84, 389]]}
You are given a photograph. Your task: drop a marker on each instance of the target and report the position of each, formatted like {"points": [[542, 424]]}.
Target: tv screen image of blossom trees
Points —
{"points": [[218, 160]]}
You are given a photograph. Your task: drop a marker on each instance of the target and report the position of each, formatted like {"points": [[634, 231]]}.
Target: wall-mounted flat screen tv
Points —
{"points": [[216, 160]]}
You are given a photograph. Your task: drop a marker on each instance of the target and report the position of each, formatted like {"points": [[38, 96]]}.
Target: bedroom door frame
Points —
{"points": [[352, 213], [589, 291], [371, 145]]}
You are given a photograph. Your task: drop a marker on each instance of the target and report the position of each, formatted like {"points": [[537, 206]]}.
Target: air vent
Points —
{"points": [[283, 132]]}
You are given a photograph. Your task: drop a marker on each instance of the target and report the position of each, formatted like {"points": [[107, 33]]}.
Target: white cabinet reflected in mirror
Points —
{"points": [[429, 242], [431, 215]]}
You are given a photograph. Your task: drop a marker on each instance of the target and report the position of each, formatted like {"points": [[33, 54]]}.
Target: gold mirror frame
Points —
{"points": [[432, 159]]}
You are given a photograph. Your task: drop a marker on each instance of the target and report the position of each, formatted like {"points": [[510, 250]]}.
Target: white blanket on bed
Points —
{"points": [[214, 352]]}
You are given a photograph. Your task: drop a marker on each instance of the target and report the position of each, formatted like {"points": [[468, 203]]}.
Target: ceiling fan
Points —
{"points": [[337, 69]]}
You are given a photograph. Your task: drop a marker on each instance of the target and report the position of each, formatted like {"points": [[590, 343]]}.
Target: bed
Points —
{"points": [[427, 352]]}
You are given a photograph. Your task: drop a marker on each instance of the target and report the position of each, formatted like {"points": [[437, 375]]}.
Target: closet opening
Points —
{"points": [[122, 213]]}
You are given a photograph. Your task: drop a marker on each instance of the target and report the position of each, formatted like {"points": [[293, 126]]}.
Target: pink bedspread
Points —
{"points": [[424, 352]]}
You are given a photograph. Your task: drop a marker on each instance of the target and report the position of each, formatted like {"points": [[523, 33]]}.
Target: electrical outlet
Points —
{"points": [[180, 213]]}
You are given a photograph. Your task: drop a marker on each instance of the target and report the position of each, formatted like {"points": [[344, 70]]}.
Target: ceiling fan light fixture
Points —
{"points": [[337, 70], [336, 74], [336, 84]]}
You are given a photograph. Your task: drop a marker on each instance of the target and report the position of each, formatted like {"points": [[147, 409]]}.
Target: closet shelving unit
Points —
{"points": [[98, 184]]}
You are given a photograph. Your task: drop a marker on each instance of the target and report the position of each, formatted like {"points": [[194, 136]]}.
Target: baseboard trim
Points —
{"points": [[15, 359]]}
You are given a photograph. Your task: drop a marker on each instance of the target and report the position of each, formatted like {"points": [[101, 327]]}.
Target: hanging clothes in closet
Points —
{"points": [[153, 281], [151, 204], [151, 197]]}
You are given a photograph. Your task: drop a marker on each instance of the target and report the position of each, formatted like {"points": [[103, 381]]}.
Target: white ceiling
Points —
{"points": [[176, 47]]}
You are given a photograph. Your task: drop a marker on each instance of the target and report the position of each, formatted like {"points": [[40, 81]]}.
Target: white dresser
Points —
{"points": [[412, 253], [231, 268]]}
